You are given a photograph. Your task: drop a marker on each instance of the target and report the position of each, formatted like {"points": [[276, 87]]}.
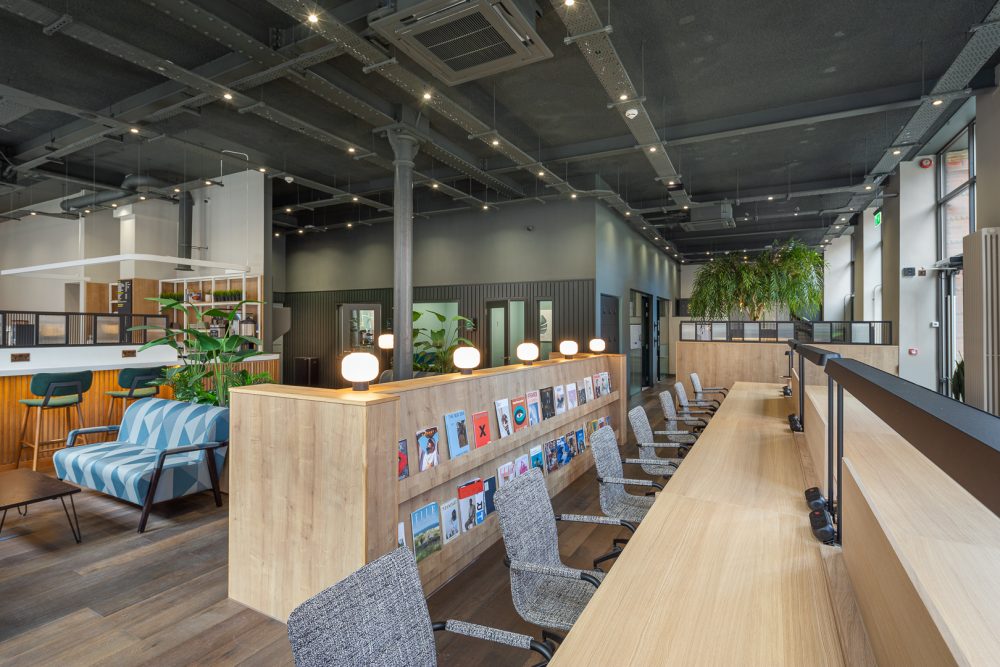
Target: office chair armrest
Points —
{"points": [[555, 571], [711, 402], [495, 635], [660, 445], [628, 482], [716, 390], [654, 462], [588, 518], [72, 435], [670, 433], [688, 412]]}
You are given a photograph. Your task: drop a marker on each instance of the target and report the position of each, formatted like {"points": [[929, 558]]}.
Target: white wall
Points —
{"points": [[37, 239], [469, 247], [837, 279], [871, 307], [988, 160]]}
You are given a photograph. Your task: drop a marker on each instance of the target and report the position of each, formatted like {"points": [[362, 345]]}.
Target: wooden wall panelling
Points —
{"points": [[143, 288], [94, 406], [314, 314], [311, 491], [721, 364]]}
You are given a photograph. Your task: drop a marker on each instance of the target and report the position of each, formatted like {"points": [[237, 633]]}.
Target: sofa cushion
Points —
{"points": [[125, 470], [159, 423]]}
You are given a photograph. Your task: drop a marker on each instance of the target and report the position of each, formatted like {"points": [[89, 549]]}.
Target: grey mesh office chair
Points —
{"points": [[650, 461], [700, 391], [671, 416], [546, 592], [616, 502], [377, 616], [707, 408]]}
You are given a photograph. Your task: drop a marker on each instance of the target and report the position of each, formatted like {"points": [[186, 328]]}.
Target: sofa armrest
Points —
{"points": [[72, 436]]}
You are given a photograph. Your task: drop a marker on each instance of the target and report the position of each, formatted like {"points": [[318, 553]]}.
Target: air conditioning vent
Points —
{"points": [[710, 218], [462, 40]]}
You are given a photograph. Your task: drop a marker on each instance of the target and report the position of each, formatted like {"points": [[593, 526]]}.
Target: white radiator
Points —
{"points": [[982, 319]]}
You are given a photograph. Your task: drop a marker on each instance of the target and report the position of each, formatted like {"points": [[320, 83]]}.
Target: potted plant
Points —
{"points": [[789, 275], [433, 348], [208, 364]]}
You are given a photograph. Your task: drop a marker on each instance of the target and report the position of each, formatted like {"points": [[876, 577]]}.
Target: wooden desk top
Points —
{"points": [[724, 569]]}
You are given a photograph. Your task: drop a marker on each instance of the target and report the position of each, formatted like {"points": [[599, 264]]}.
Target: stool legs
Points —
{"points": [[22, 436], [38, 437], [36, 442]]}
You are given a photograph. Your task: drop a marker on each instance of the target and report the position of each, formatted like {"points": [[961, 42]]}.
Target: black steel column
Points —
{"points": [[405, 146], [840, 463]]}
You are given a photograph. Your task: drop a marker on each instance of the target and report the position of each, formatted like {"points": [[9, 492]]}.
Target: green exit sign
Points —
{"points": [[878, 218]]}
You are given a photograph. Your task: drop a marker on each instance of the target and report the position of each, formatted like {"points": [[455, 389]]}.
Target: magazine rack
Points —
{"points": [[314, 492]]}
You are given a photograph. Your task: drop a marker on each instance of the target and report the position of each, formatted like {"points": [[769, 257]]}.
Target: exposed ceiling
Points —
{"points": [[788, 110]]}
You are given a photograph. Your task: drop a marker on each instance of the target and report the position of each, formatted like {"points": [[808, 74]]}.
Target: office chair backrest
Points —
{"points": [[682, 397], [669, 411], [608, 461], [696, 383], [375, 616], [640, 424], [527, 521]]}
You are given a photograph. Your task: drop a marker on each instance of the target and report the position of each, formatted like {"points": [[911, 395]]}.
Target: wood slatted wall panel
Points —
{"points": [[54, 425], [314, 314]]}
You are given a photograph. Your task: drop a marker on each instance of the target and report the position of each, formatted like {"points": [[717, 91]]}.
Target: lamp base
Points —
{"points": [[465, 371], [568, 356], [527, 363], [359, 386]]}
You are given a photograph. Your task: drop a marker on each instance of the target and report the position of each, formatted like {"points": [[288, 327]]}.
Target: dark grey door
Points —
{"points": [[610, 324]]}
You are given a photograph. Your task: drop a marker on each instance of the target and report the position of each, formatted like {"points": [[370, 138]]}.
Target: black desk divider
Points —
{"points": [[961, 440]]}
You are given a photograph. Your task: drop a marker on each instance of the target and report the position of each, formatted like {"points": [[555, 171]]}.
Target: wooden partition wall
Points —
{"points": [[723, 364], [313, 472]]}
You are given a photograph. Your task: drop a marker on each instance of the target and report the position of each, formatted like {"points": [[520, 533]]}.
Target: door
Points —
{"points": [[610, 323], [662, 337], [639, 350], [506, 332], [358, 326]]}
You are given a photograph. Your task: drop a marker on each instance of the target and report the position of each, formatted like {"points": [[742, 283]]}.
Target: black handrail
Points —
{"points": [[961, 440], [838, 332], [19, 328]]}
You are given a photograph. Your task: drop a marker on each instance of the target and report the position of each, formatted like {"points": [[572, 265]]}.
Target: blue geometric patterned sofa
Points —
{"points": [[161, 453]]}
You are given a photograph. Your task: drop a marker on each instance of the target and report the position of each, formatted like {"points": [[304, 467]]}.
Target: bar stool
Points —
{"points": [[134, 383], [54, 391]]}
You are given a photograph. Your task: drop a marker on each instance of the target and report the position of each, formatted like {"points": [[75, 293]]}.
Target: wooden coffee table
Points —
{"points": [[20, 488]]}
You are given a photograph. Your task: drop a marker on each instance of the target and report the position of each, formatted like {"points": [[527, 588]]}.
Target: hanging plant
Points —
{"points": [[787, 275]]}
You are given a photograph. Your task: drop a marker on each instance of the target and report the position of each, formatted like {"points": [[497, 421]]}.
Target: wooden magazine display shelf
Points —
{"points": [[314, 484]]}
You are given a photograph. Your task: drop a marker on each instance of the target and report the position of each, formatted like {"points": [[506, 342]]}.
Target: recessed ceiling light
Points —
{"points": [[134, 130], [427, 96], [628, 213], [228, 96], [623, 97], [573, 196], [707, 253], [208, 182], [486, 207], [277, 234], [868, 187], [495, 142], [897, 152], [796, 213], [262, 169], [354, 199], [288, 210], [350, 224], [435, 186], [177, 189], [685, 207], [312, 18], [770, 198], [842, 218], [142, 197], [670, 182], [541, 173], [744, 256], [114, 206], [86, 210], [34, 213], [352, 149], [652, 149], [937, 103], [302, 231], [569, 3]]}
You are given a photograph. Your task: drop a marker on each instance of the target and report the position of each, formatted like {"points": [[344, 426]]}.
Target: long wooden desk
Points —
{"points": [[724, 570]]}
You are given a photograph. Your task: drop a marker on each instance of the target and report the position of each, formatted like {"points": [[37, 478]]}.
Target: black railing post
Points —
{"points": [[802, 392], [829, 444], [840, 462]]}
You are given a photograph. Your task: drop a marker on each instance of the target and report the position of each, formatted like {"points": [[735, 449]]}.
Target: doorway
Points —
{"points": [[610, 323], [662, 337], [639, 348], [358, 326], [506, 332]]}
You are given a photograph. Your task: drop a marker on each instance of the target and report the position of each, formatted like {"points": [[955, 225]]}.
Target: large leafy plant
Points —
{"points": [[208, 363], [433, 348], [787, 275]]}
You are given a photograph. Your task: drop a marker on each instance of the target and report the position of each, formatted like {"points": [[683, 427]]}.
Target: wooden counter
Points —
{"points": [[922, 552], [724, 570], [94, 406], [722, 364], [313, 477]]}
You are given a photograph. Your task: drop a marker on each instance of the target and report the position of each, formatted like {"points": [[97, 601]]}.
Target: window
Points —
{"points": [[956, 215]]}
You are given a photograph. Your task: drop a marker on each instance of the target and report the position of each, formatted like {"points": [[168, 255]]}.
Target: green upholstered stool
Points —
{"points": [[134, 383], [52, 391]]}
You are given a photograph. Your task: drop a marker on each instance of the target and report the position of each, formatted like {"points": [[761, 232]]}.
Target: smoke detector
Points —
{"points": [[632, 113]]}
